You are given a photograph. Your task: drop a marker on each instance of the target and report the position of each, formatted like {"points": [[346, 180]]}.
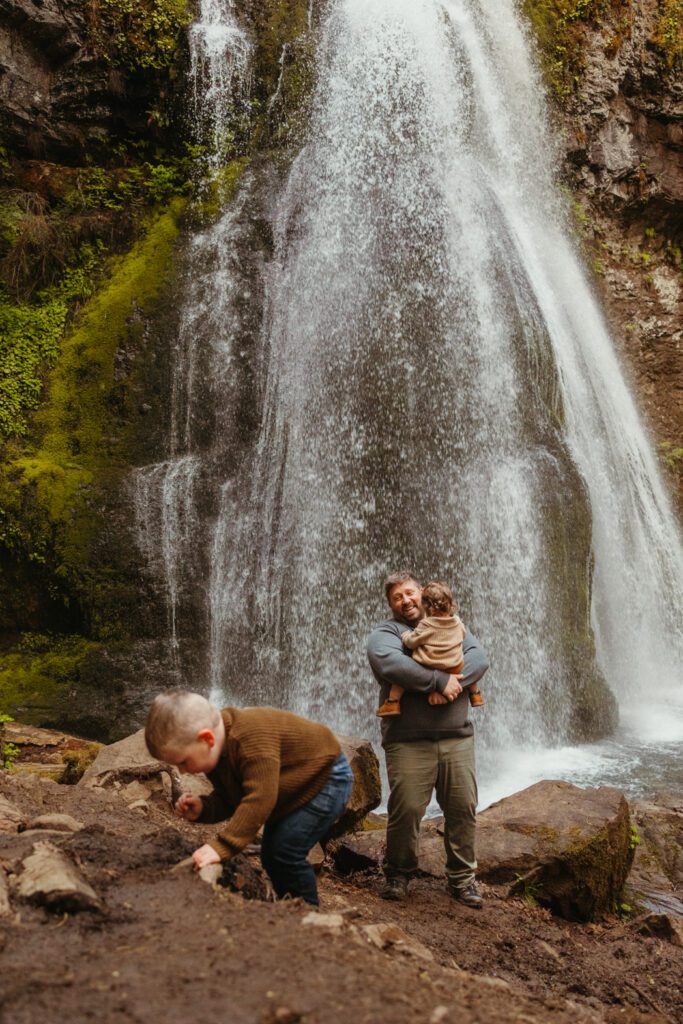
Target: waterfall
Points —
{"points": [[435, 387], [165, 493]]}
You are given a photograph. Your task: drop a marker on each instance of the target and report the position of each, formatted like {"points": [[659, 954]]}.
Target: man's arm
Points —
{"points": [[476, 663], [392, 665]]}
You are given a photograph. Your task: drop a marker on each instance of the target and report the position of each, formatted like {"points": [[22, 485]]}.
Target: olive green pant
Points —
{"points": [[415, 769]]}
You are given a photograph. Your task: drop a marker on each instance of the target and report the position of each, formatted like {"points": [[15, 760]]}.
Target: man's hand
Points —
{"points": [[453, 688], [189, 807], [437, 698], [205, 855]]}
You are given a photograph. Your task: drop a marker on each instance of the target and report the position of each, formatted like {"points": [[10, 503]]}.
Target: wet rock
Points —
{"points": [[11, 817], [55, 822], [367, 784], [568, 848], [662, 926], [49, 878]]}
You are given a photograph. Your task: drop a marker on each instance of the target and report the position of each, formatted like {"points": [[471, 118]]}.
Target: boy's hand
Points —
{"points": [[189, 807], [205, 855]]}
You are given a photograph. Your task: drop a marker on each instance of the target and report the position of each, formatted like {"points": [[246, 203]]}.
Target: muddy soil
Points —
{"points": [[169, 948]]}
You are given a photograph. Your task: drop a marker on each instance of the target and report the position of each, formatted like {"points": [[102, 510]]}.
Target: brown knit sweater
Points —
{"points": [[273, 762]]}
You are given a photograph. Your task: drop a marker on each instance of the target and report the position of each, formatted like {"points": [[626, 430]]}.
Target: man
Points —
{"points": [[429, 745]]}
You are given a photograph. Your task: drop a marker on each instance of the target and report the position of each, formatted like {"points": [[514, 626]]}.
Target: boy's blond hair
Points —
{"points": [[174, 720]]}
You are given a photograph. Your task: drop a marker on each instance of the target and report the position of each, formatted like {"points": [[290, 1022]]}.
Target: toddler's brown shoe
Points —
{"points": [[390, 707], [476, 699]]}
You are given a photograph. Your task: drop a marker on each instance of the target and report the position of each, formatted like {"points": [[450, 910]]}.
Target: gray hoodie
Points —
{"points": [[391, 663]]}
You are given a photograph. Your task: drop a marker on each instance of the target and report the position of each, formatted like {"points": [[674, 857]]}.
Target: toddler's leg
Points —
{"points": [[476, 697], [392, 705]]}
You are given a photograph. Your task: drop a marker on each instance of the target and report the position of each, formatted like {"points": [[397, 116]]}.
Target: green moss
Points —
{"points": [[138, 34], [30, 334], [220, 190], [73, 419], [36, 685], [669, 32], [557, 25], [51, 495]]}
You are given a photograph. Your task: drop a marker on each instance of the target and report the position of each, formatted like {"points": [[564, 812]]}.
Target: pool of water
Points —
{"points": [[642, 758]]}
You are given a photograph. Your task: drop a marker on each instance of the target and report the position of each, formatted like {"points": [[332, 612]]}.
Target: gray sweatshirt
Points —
{"points": [[391, 663]]}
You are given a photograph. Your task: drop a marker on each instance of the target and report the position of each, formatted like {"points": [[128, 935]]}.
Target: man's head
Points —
{"points": [[184, 729], [404, 595]]}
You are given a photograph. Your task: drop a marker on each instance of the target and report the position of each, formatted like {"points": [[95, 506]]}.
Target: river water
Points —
{"points": [[435, 388]]}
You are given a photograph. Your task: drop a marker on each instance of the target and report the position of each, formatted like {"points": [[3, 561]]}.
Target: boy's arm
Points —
{"points": [[215, 808], [260, 784], [390, 664]]}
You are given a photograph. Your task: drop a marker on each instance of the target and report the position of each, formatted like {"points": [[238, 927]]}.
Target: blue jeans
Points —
{"points": [[286, 843]]}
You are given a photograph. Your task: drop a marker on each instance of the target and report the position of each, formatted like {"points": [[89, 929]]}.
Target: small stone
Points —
{"points": [[546, 948], [332, 922], [50, 878], [139, 805], [316, 857], [438, 1014], [56, 822], [5, 909], [210, 873], [386, 936], [135, 791]]}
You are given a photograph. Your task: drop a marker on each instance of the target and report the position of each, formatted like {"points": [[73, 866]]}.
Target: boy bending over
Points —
{"points": [[268, 767]]}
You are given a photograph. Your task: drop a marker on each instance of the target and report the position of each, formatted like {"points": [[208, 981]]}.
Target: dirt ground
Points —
{"points": [[167, 947]]}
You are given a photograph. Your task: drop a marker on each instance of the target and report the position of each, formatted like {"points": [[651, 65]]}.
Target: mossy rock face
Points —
{"points": [[567, 848]]}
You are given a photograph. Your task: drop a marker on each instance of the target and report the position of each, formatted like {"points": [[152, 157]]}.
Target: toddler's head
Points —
{"points": [[184, 729], [437, 599]]}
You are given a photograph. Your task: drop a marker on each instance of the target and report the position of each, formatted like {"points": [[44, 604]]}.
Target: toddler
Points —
{"points": [[437, 643]]}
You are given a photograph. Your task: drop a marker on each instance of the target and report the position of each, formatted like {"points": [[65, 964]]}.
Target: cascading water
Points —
{"points": [[436, 389], [164, 493]]}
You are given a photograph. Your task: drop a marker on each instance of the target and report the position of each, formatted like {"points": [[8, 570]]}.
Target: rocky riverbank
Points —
{"points": [[130, 935]]}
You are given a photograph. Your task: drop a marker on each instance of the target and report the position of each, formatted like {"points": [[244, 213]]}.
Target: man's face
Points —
{"points": [[405, 601]]}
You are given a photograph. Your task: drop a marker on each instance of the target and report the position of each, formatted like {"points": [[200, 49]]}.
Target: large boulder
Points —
{"points": [[367, 783], [129, 760], [568, 848]]}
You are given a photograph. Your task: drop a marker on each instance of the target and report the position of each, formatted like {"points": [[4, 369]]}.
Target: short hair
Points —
{"points": [[174, 720], [395, 578], [438, 597]]}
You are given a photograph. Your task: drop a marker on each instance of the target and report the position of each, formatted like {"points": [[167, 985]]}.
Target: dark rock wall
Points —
{"points": [[615, 74]]}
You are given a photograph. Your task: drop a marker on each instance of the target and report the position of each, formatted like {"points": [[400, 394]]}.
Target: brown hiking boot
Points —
{"points": [[391, 706], [476, 699], [470, 896], [395, 888]]}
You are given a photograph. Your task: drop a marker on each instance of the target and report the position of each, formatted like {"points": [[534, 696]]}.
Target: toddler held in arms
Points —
{"points": [[436, 642]]}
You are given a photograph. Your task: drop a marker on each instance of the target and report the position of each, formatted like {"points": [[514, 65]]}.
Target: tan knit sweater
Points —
{"points": [[273, 762], [436, 641]]}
